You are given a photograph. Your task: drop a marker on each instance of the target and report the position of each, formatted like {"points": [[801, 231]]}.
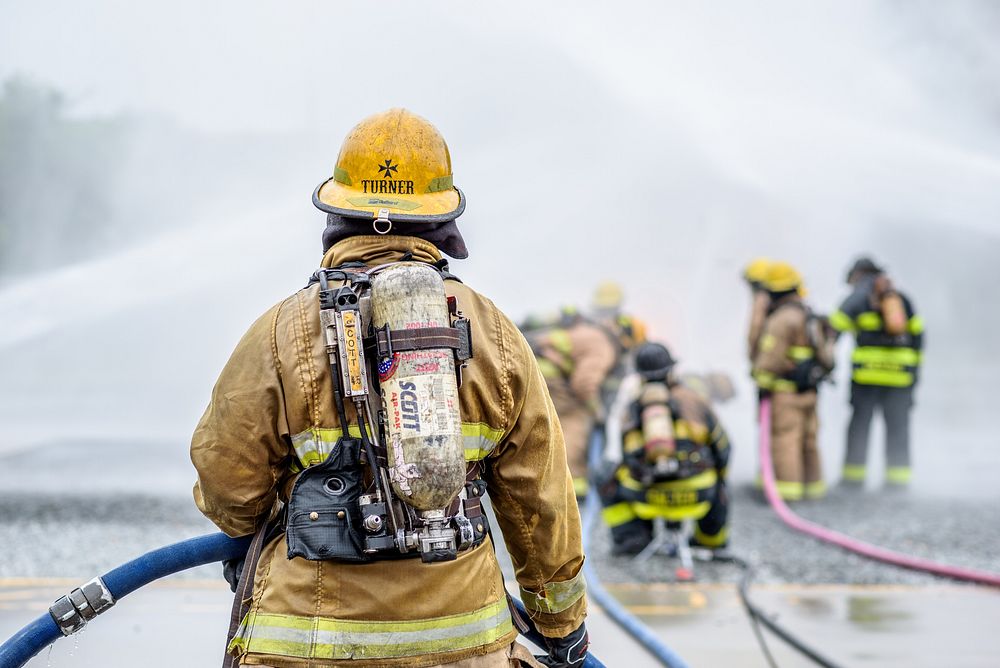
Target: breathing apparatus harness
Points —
{"points": [[665, 455], [353, 507]]}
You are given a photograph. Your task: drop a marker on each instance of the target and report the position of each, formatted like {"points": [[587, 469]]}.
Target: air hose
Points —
{"points": [[842, 540], [596, 591], [757, 617], [83, 604]]}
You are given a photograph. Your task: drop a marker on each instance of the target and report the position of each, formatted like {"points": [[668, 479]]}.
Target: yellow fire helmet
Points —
{"points": [[393, 166], [756, 271], [608, 295], [782, 277], [633, 331]]}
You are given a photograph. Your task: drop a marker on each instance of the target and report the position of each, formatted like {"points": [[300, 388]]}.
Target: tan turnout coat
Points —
{"points": [[272, 412]]}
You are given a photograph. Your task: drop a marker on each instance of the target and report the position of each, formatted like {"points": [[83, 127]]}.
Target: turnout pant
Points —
{"points": [[895, 404], [630, 532], [797, 468]]}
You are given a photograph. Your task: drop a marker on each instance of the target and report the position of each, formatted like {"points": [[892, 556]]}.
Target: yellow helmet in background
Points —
{"points": [[608, 295], [782, 277], [632, 331], [395, 166], [756, 271]]}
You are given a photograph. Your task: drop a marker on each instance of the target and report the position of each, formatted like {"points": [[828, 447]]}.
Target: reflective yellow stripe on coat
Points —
{"points": [[884, 366], [323, 638], [315, 445]]}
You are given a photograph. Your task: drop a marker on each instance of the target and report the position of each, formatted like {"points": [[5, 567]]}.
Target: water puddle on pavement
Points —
{"points": [[852, 625]]}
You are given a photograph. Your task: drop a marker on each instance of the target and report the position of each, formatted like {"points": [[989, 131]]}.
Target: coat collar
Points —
{"points": [[373, 250]]}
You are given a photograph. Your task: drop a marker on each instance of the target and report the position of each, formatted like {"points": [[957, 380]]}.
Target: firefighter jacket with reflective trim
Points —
{"points": [[702, 453], [880, 358], [272, 414], [701, 442], [758, 314], [581, 355], [785, 348]]}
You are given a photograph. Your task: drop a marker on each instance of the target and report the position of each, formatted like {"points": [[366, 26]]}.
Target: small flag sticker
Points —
{"points": [[387, 367]]}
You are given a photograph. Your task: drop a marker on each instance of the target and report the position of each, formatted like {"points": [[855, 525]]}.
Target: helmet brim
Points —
{"points": [[332, 196]]}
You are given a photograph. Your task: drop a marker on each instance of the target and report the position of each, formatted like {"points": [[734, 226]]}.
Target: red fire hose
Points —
{"points": [[842, 540]]}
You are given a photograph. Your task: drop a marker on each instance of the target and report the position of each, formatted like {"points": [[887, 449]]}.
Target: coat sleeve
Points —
{"points": [[772, 360], [593, 359], [844, 318], [758, 313], [240, 445], [533, 498], [718, 440]]}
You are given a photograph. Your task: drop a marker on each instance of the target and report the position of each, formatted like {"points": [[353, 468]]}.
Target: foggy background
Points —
{"points": [[156, 167]]}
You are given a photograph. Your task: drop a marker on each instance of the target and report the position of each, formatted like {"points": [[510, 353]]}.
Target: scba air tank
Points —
{"points": [[419, 390]]}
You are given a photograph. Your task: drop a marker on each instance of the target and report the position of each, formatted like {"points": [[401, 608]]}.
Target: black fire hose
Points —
{"points": [[758, 616]]}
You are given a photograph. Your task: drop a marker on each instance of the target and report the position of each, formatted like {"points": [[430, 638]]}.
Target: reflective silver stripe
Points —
{"points": [[315, 445], [369, 638], [555, 596], [323, 638]]}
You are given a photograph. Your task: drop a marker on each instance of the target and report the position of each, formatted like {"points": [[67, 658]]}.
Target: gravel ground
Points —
{"points": [[960, 533], [80, 536]]}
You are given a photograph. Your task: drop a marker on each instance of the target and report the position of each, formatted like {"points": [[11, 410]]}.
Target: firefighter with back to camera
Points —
{"points": [[357, 427]]}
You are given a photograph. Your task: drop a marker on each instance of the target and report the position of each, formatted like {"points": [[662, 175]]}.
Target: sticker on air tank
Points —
{"points": [[421, 406]]}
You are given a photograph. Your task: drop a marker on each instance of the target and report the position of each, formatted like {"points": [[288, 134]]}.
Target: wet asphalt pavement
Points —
{"points": [[91, 507]]}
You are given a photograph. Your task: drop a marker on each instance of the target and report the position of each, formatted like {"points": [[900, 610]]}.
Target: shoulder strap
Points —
{"points": [[244, 590]]}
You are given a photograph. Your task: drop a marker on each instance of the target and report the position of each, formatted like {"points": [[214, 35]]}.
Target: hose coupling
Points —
{"points": [[72, 612]]}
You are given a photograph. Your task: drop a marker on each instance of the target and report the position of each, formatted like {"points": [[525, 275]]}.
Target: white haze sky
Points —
{"points": [[664, 143]]}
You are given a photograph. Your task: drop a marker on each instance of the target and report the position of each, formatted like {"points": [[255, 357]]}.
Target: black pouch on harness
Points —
{"points": [[324, 519]]}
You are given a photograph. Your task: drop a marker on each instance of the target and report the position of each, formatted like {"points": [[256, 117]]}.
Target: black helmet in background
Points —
{"points": [[653, 361], [863, 266]]}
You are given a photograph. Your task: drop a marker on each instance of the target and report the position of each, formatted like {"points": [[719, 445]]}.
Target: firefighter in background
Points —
{"points": [[626, 332], [674, 457], [534, 322], [886, 361], [575, 358], [754, 274], [794, 355], [272, 417]]}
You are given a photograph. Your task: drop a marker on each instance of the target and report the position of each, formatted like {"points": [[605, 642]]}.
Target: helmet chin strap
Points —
{"points": [[383, 218]]}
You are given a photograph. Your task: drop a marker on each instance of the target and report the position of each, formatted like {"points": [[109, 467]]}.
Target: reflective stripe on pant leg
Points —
{"points": [[789, 490], [815, 490], [854, 473], [898, 475], [618, 514], [712, 530]]}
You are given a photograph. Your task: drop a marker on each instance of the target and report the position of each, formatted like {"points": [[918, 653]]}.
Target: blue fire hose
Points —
{"points": [[85, 603], [596, 591], [119, 582]]}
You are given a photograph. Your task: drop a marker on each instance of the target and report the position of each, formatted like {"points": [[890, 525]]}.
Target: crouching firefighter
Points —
{"points": [[357, 428], [674, 454]]}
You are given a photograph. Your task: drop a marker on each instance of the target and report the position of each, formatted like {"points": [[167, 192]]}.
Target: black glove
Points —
{"points": [[232, 570], [567, 652], [808, 375]]}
